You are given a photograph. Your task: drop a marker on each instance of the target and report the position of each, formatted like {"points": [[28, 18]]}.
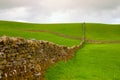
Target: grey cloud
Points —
{"points": [[7, 4], [61, 10]]}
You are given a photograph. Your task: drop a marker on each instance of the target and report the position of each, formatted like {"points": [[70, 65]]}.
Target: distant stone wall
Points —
{"points": [[22, 59]]}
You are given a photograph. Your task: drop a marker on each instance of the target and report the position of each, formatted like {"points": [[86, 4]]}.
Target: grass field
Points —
{"points": [[21, 30], [103, 32], [68, 29], [93, 31], [92, 62]]}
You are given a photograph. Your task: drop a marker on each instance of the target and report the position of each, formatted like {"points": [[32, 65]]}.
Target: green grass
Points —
{"points": [[93, 31], [20, 29], [93, 62], [40, 36], [73, 29], [103, 31]]}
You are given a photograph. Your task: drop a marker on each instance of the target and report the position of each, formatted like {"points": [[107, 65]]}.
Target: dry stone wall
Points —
{"points": [[22, 59]]}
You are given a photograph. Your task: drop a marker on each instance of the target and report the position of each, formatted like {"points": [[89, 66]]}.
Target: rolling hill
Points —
{"points": [[92, 62]]}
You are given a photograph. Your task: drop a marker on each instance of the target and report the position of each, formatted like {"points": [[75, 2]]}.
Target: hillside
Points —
{"points": [[103, 32], [93, 30], [93, 62], [28, 31]]}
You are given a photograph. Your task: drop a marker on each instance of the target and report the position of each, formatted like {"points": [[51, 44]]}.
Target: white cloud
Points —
{"points": [[14, 14], [106, 11]]}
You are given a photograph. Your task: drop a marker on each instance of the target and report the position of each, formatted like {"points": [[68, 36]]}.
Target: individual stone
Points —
{"points": [[3, 62], [29, 56], [32, 61], [37, 74], [2, 67], [37, 68], [1, 72], [1, 53]]}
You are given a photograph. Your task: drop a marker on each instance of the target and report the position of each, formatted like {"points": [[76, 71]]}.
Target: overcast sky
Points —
{"points": [[55, 11]]}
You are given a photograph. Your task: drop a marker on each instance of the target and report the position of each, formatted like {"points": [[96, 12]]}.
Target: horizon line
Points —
{"points": [[59, 22]]}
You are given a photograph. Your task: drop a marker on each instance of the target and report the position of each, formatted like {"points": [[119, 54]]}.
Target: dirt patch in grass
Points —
{"points": [[78, 38], [102, 41], [57, 33]]}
